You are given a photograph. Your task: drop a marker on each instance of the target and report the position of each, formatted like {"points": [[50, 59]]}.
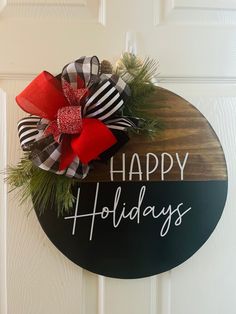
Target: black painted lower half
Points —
{"points": [[136, 229]]}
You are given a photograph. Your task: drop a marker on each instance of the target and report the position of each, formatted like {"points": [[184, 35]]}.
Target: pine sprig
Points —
{"points": [[131, 68], [139, 74], [149, 127], [18, 175], [44, 187]]}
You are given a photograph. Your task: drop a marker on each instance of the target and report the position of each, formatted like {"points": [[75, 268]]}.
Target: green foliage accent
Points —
{"points": [[44, 187], [149, 127], [139, 74], [132, 69]]}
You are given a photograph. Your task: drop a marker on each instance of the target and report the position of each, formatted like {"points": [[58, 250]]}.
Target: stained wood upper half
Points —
{"points": [[186, 149]]}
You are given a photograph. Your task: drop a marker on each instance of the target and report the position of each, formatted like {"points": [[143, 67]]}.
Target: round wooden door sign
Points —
{"points": [[153, 205]]}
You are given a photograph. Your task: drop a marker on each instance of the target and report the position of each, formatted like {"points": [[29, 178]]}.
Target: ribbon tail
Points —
{"points": [[122, 138], [94, 139], [67, 153]]}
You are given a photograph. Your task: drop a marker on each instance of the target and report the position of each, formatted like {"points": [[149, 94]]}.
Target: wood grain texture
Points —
{"points": [[197, 62], [186, 130], [35, 265]]}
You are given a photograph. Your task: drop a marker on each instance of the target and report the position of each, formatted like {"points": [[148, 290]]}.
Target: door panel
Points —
{"points": [[193, 41]]}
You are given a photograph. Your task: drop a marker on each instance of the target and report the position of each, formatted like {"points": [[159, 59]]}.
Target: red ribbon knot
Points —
{"points": [[69, 121]]}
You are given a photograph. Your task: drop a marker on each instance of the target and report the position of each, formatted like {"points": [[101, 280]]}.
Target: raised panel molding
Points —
{"points": [[205, 5], [3, 204], [158, 79], [2, 4], [81, 10], [160, 293], [199, 12], [101, 295], [102, 12], [47, 2], [196, 80]]}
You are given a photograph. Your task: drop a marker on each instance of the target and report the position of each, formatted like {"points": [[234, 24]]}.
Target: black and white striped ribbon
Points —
{"points": [[28, 131]]}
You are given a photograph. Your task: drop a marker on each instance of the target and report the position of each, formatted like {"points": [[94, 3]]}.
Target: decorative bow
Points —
{"points": [[76, 117]]}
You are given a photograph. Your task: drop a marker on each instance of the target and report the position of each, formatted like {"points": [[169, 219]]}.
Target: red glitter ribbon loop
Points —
{"points": [[69, 120]]}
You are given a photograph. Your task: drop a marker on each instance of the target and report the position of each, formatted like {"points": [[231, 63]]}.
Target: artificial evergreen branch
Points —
{"points": [[44, 187], [130, 68], [148, 127], [139, 74]]}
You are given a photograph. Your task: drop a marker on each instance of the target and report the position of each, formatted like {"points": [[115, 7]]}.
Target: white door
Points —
{"points": [[194, 41]]}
